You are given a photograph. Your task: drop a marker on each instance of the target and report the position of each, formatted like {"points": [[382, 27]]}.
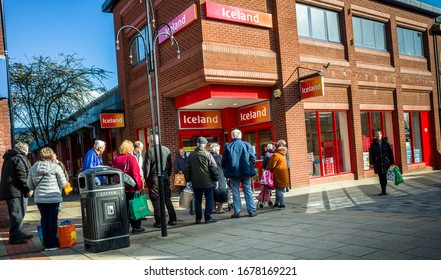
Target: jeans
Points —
{"points": [[49, 223], [249, 198], [17, 207], [209, 203], [280, 196]]}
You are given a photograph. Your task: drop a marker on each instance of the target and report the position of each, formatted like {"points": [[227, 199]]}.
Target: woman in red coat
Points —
{"points": [[278, 166], [128, 164]]}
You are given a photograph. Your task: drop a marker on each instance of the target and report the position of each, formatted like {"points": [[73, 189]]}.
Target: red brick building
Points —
{"points": [[371, 65]]}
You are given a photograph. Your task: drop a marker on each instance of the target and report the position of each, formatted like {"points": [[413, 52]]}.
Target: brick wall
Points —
{"points": [[213, 52]]}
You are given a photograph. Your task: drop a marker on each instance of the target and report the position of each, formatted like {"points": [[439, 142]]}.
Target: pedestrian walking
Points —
{"points": [[126, 162], [151, 179], [202, 172], [381, 158], [278, 166], [93, 158], [238, 162], [15, 191], [47, 179]]}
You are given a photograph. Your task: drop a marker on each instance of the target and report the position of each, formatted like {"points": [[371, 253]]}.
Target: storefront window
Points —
{"points": [[327, 143], [412, 130], [371, 122], [250, 137]]}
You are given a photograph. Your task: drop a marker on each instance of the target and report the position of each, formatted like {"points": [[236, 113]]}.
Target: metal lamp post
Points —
{"points": [[159, 168]]}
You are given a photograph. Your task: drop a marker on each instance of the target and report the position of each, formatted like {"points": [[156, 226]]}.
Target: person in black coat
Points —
{"points": [[180, 164], [381, 158], [14, 189], [220, 188]]}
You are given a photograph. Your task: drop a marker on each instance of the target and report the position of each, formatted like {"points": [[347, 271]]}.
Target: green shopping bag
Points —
{"points": [[398, 176], [138, 207]]}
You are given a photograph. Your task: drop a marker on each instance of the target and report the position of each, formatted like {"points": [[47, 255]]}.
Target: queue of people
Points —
{"points": [[208, 173]]}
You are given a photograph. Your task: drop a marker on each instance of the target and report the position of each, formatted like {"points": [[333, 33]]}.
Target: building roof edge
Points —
{"points": [[415, 6]]}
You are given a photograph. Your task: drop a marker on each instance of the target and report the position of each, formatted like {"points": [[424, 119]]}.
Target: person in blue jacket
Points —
{"points": [[94, 158], [238, 164]]}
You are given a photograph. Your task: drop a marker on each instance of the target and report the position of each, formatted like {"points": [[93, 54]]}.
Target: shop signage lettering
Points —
{"points": [[238, 15], [258, 113], [178, 23], [112, 120], [311, 87], [200, 119]]}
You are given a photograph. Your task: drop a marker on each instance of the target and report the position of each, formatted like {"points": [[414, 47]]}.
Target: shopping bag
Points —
{"points": [[67, 235], [138, 207], [185, 199], [68, 188], [220, 192], [40, 230], [390, 175], [398, 176], [267, 179], [180, 180]]}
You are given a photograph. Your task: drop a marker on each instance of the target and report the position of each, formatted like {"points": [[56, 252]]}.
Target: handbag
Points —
{"points": [[180, 180], [129, 182], [267, 179], [138, 207], [390, 175], [67, 235], [398, 176]]}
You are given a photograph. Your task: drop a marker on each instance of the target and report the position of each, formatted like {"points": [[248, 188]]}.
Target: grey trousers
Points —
{"points": [[17, 207]]}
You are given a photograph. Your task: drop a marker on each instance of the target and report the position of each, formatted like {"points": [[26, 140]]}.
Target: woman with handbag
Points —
{"points": [[381, 158], [126, 162], [47, 180]]}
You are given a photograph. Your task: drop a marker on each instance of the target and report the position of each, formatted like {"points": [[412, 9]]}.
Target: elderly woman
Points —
{"points": [[47, 179], [128, 164], [220, 189]]}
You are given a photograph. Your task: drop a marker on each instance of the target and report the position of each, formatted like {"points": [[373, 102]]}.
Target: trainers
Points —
{"points": [[252, 214], [172, 223], [235, 215], [51, 249], [18, 241], [276, 205], [156, 225], [282, 206]]}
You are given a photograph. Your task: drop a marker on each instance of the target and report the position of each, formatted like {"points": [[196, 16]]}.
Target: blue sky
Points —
{"points": [[49, 27]]}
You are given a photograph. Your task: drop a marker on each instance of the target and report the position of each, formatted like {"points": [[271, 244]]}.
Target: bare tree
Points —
{"points": [[45, 92]]}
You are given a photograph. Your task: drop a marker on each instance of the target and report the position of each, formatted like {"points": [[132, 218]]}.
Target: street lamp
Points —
{"points": [[146, 41]]}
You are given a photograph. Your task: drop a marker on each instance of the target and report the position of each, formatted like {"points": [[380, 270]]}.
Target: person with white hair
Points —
{"points": [[15, 191], [94, 158], [238, 164]]}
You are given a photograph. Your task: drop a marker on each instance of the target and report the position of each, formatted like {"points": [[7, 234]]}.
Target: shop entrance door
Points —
{"points": [[258, 140]]}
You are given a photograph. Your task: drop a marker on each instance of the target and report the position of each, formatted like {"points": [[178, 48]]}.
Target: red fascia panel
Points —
{"points": [[221, 91]]}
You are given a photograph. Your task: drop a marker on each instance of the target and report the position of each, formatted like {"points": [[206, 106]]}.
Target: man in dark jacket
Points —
{"points": [[381, 158], [202, 172], [14, 189], [238, 163], [151, 179]]}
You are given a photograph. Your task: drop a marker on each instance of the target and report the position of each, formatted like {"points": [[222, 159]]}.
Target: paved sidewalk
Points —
{"points": [[342, 221]]}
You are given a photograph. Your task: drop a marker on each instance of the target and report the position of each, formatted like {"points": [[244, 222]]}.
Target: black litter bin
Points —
{"points": [[103, 209]]}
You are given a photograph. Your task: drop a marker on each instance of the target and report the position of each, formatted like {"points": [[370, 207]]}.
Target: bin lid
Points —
{"points": [[100, 170]]}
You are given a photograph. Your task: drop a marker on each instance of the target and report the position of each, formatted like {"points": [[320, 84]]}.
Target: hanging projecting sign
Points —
{"points": [[238, 15], [209, 119], [178, 23], [3, 79], [112, 120], [312, 85], [254, 114]]}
